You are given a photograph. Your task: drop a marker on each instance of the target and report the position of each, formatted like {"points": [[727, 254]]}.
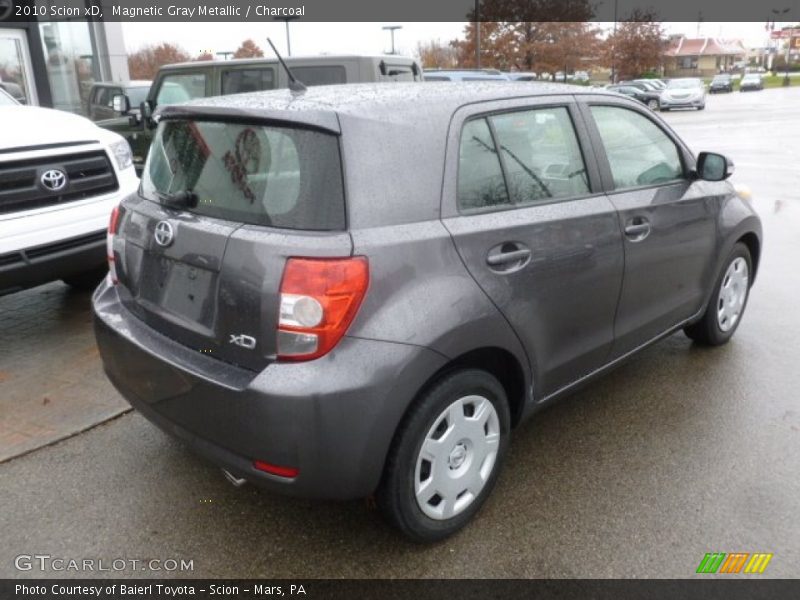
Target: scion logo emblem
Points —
{"points": [[245, 341], [164, 233], [6, 6], [54, 179]]}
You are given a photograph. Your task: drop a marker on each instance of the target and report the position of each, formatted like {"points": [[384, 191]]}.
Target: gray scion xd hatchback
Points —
{"points": [[361, 289]]}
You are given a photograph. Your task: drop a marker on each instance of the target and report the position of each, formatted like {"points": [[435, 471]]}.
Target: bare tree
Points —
{"points": [[436, 55]]}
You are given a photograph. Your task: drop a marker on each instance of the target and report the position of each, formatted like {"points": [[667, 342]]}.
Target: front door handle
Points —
{"points": [[637, 228], [508, 256]]}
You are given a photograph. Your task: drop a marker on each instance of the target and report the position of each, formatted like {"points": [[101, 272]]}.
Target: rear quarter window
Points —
{"points": [[329, 75], [282, 177]]}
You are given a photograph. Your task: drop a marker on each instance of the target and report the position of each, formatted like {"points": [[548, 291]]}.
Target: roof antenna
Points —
{"points": [[295, 85]]}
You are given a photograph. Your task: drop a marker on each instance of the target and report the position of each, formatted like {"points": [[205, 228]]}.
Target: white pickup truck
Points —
{"points": [[60, 178]]}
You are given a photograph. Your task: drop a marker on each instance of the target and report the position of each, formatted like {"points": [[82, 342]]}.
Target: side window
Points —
{"points": [[541, 155], [181, 87], [322, 75], [639, 152], [239, 81], [480, 179], [100, 96]]}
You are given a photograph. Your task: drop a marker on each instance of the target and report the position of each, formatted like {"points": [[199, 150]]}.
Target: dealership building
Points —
{"points": [[55, 63]]}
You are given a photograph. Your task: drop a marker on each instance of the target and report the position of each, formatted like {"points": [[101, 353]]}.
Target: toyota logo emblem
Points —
{"points": [[54, 180], [164, 233]]}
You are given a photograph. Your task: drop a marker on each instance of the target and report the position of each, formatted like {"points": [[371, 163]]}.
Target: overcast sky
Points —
{"points": [[357, 38]]}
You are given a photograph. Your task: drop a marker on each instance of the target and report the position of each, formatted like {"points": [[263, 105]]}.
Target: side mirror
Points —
{"points": [[714, 167], [146, 113], [121, 104]]}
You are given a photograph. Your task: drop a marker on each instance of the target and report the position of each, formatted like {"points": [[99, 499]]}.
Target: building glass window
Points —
{"points": [[71, 62]]}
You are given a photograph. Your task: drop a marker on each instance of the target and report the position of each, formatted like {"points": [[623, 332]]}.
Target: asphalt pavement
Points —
{"points": [[680, 452]]}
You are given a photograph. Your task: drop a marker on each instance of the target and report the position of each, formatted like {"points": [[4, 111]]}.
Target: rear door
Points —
{"points": [[523, 202], [208, 276], [668, 220]]}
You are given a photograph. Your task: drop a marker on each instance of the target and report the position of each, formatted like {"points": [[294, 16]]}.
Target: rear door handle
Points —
{"points": [[508, 256], [637, 228]]}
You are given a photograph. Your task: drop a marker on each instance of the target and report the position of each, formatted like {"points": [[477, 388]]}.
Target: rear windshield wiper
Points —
{"points": [[181, 199]]}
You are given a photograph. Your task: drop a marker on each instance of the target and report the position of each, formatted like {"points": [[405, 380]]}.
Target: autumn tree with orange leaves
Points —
{"points": [[145, 62], [248, 49], [636, 48], [511, 35]]}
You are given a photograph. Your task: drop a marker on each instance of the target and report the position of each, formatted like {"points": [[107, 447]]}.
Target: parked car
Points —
{"points": [[265, 309], [465, 75], [61, 178], [582, 76], [647, 97], [642, 85], [751, 81], [684, 92], [657, 83], [100, 105], [721, 83], [178, 83], [521, 76]]}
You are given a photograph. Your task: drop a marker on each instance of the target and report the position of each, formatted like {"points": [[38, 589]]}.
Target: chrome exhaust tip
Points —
{"points": [[235, 481]]}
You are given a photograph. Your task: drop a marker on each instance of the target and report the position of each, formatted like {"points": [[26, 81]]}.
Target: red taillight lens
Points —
{"points": [[319, 298], [288, 472], [113, 223]]}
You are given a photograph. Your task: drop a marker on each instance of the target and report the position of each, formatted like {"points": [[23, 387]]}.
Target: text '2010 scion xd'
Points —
{"points": [[362, 289]]}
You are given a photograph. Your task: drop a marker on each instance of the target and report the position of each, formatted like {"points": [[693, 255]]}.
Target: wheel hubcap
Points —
{"points": [[732, 294], [457, 457]]}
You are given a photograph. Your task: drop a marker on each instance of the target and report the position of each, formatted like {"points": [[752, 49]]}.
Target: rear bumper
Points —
{"points": [[683, 103], [332, 418]]}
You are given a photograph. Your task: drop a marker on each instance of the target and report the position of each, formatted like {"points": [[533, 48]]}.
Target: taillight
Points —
{"points": [[113, 223], [319, 298]]}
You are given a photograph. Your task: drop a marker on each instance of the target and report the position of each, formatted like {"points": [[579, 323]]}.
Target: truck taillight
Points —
{"points": [[113, 223], [319, 297]]}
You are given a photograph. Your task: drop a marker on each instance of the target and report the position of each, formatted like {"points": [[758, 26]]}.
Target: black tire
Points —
{"points": [[395, 496], [707, 331], [88, 281], [652, 105]]}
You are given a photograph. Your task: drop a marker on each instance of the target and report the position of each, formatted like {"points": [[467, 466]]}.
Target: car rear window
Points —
{"points": [[282, 177]]}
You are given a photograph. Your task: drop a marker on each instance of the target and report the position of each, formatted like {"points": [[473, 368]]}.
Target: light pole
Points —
{"points": [[613, 49], [391, 29], [778, 12], [288, 39], [225, 54], [477, 35]]}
